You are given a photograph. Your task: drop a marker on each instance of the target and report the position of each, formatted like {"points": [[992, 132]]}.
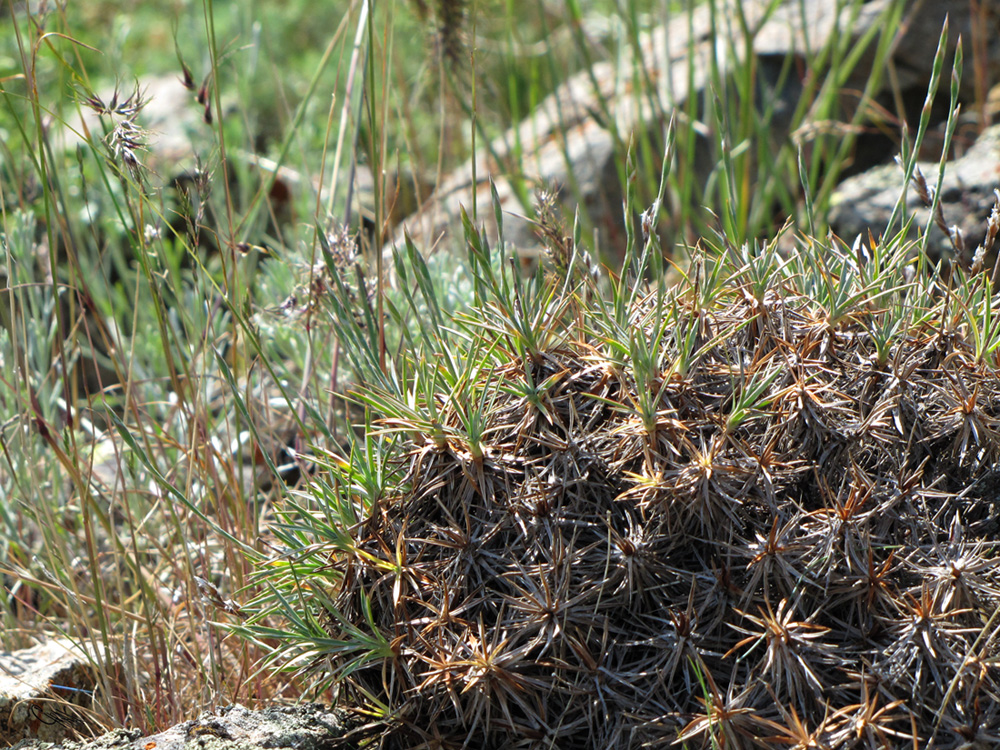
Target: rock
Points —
{"points": [[41, 690], [864, 202], [565, 142], [306, 727]]}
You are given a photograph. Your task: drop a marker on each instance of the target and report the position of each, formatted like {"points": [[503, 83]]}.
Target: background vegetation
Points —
{"points": [[175, 338]]}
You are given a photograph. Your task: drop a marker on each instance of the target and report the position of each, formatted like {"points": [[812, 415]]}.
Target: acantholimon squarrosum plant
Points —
{"points": [[742, 510]]}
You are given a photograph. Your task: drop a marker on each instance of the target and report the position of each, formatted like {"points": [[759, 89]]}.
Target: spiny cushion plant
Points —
{"points": [[758, 506]]}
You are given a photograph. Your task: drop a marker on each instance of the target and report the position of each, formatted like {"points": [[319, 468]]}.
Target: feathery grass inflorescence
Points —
{"points": [[125, 139]]}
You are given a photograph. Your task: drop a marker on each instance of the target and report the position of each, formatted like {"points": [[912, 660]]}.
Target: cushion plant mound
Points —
{"points": [[752, 509]]}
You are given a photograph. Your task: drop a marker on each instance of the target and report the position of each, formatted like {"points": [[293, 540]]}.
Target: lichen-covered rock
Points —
{"points": [[44, 691], [306, 727], [864, 202]]}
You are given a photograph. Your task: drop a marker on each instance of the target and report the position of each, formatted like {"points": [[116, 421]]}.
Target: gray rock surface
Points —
{"points": [[864, 202], [306, 727], [44, 691]]}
